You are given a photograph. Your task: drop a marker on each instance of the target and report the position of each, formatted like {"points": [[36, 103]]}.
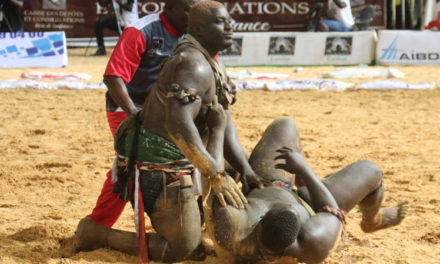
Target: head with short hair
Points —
{"points": [[176, 13], [279, 229], [209, 22], [201, 10]]}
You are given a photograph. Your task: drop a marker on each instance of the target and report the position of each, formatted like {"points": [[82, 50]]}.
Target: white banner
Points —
{"points": [[33, 49], [407, 47], [301, 48]]}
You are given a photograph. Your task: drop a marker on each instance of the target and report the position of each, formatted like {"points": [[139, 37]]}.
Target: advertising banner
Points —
{"points": [[77, 17], [301, 48], [403, 47], [33, 49]]}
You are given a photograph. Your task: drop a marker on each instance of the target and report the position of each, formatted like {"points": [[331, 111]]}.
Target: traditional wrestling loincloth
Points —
{"points": [[146, 164], [158, 161]]}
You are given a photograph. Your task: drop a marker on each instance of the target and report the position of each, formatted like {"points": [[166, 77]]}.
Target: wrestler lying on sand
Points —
{"points": [[305, 224], [278, 221]]}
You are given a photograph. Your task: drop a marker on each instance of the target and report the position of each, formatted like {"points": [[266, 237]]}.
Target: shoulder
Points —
{"points": [[317, 237], [194, 59], [188, 66], [146, 21]]}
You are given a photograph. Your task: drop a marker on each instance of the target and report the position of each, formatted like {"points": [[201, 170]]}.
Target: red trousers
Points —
{"points": [[108, 206]]}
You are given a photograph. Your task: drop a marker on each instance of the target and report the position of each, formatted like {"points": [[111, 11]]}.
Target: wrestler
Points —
{"points": [[131, 71], [306, 223], [167, 143]]}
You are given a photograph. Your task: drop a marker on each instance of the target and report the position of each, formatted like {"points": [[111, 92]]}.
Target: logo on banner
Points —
{"points": [[338, 45], [281, 46], [41, 45], [54, 4], [393, 53], [234, 49]]}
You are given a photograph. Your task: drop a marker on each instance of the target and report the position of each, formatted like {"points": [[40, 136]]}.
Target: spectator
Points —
{"points": [[118, 15], [339, 16], [11, 16]]}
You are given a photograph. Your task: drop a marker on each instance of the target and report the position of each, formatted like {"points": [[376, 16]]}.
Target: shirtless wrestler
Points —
{"points": [[306, 223]]}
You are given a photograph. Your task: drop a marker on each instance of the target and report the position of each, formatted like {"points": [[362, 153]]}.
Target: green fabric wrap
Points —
{"points": [[150, 147]]}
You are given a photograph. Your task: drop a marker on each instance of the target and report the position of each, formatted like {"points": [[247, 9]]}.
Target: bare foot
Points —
{"points": [[387, 217]]}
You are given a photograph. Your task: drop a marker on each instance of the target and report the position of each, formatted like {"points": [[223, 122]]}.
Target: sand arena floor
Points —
{"points": [[56, 148]]}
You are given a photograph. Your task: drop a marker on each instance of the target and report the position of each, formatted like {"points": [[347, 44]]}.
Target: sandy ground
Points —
{"points": [[56, 148]]}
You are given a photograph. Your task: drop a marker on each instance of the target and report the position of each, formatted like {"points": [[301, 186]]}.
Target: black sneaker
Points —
{"points": [[99, 52]]}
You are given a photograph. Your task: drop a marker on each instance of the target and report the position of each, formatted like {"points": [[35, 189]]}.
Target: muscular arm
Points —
{"points": [[234, 152], [184, 133], [216, 121], [183, 73], [119, 93], [319, 194], [180, 126], [190, 72], [236, 155]]}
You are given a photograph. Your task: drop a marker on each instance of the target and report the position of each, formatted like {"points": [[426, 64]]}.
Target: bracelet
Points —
{"points": [[339, 213]]}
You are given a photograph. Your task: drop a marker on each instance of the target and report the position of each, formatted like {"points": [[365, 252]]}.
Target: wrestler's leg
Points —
{"points": [[282, 132], [93, 236], [176, 219], [361, 183]]}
